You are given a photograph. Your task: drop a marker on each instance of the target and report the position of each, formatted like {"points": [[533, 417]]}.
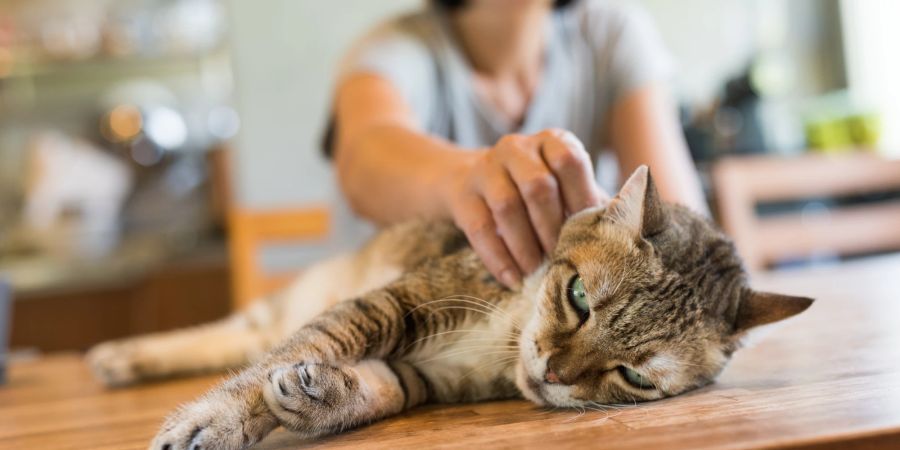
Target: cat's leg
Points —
{"points": [[383, 324], [230, 342], [235, 415], [231, 416], [244, 336], [310, 399], [317, 399]]}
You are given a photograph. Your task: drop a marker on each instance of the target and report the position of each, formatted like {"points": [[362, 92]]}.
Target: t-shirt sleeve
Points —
{"points": [[628, 47], [401, 57]]}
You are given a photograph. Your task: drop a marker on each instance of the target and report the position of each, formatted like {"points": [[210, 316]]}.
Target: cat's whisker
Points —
{"points": [[472, 330], [488, 313], [608, 409], [428, 303], [457, 353], [633, 399], [580, 413], [485, 303], [491, 306], [595, 408], [504, 342], [512, 335], [547, 411], [607, 415], [475, 346], [499, 361], [493, 350], [487, 341], [614, 406], [510, 348]]}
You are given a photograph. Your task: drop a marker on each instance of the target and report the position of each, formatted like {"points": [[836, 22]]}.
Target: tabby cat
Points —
{"points": [[641, 300]]}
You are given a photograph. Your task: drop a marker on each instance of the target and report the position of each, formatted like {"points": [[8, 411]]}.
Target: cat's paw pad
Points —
{"points": [[304, 396], [213, 423], [115, 363]]}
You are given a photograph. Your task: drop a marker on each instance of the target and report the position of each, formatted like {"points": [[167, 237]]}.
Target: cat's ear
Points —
{"points": [[638, 206], [762, 308]]}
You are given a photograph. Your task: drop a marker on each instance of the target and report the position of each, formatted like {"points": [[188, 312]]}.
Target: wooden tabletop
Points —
{"points": [[828, 378]]}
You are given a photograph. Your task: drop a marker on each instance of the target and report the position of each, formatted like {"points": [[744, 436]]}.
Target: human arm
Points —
{"points": [[510, 199], [644, 129]]}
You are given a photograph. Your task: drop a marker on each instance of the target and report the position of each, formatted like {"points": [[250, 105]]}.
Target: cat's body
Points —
{"points": [[418, 246], [639, 301]]}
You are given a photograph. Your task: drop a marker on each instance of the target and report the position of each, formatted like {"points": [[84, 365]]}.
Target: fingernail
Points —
{"points": [[510, 278]]}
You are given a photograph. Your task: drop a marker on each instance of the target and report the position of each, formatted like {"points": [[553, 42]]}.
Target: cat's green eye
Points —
{"points": [[635, 379], [578, 296]]}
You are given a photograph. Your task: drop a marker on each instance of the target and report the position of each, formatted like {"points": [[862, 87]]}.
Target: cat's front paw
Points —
{"points": [[218, 421], [313, 399], [115, 363]]}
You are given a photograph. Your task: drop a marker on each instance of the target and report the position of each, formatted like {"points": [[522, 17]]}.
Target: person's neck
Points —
{"points": [[500, 44]]}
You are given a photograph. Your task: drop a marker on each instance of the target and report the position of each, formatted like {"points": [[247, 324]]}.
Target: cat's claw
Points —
{"points": [[306, 398]]}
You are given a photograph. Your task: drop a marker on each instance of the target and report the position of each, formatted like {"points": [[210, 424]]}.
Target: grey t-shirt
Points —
{"points": [[596, 52]]}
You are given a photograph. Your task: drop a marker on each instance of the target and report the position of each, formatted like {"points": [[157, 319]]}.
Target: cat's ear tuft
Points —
{"points": [[638, 206], [762, 308]]}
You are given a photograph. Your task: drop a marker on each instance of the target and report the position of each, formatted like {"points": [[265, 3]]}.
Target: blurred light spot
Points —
{"points": [[125, 123], [223, 122], [166, 128], [145, 153], [773, 75]]}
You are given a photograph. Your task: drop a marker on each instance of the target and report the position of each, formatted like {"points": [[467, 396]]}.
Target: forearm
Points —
{"points": [[677, 180], [391, 173], [645, 130]]}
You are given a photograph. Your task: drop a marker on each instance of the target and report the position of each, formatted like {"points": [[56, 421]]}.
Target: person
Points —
{"points": [[477, 110]]}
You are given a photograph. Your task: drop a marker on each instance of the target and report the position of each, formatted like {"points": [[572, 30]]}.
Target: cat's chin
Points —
{"points": [[529, 388]]}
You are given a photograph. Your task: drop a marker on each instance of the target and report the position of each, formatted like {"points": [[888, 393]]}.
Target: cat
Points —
{"points": [[640, 300]]}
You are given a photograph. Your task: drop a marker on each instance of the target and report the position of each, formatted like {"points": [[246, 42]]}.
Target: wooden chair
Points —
{"points": [[743, 183], [250, 230]]}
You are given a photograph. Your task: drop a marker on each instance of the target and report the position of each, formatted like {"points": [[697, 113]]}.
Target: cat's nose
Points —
{"points": [[551, 377]]}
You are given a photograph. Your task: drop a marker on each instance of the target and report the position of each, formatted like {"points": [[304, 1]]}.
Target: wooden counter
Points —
{"points": [[827, 379]]}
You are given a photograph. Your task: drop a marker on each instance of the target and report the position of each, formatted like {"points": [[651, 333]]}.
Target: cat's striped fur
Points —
{"points": [[414, 317]]}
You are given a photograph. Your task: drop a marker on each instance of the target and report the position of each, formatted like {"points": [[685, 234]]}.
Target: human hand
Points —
{"points": [[512, 199]]}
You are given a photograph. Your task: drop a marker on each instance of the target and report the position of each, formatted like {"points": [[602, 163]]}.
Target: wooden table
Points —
{"points": [[827, 379]]}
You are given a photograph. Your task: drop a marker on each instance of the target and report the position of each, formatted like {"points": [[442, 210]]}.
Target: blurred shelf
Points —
{"points": [[114, 299], [132, 260], [112, 67]]}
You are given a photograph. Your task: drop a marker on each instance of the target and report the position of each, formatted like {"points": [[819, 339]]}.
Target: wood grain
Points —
{"points": [[829, 378]]}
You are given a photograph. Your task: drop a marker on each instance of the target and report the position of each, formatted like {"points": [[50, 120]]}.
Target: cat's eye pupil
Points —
{"points": [[577, 295]]}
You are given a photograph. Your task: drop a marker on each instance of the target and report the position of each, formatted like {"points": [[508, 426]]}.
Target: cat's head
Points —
{"points": [[641, 300]]}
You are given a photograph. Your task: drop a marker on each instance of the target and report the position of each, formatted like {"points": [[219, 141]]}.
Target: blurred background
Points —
{"points": [[160, 163]]}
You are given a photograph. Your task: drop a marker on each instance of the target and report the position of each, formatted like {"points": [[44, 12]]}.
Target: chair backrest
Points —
{"points": [[5, 325], [250, 230], [741, 184]]}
